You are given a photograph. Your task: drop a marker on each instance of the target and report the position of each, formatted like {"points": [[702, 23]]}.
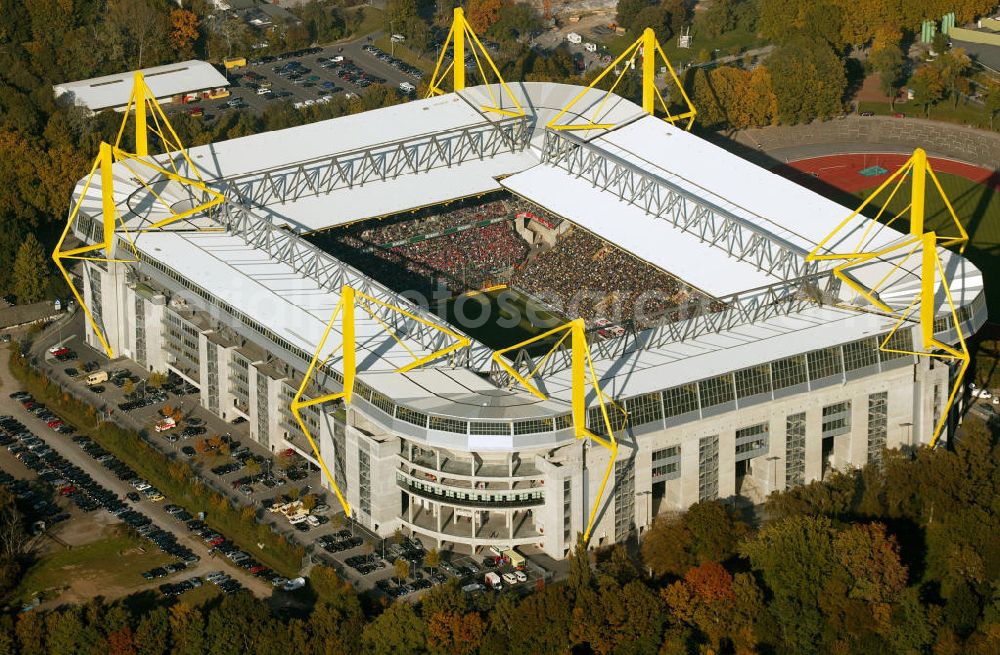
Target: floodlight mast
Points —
{"points": [[932, 274], [143, 101]]}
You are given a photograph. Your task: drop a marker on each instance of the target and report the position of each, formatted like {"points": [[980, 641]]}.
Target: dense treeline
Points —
{"points": [[901, 558]]}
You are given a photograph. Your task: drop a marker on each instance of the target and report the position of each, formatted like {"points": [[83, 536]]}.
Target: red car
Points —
{"points": [[257, 570], [55, 423], [217, 541], [59, 351], [28, 404], [67, 490]]}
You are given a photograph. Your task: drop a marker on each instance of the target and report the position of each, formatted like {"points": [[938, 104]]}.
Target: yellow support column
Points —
{"points": [[578, 347], [141, 133], [458, 57], [107, 197], [649, 71], [918, 191], [928, 285], [350, 343]]}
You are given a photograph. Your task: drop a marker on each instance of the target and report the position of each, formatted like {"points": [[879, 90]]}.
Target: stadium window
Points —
{"points": [[680, 400], [837, 419], [644, 409], [751, 441], [789, 372], [533, 426], [716, 391], [667, 464], [795, 450], [877, 424], [753, 381], [383, 403], [824, 363], [411, 416], [564, 422], [708, 468], [449, 425], [489, 428], [859, 354], [900, 340]]}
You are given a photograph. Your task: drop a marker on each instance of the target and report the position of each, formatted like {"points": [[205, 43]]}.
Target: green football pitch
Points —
{"points": [[501, 318]]}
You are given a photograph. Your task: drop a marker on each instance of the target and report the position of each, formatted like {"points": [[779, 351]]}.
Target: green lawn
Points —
{"points": [[113, 563], [203, 594], [373, 21]]}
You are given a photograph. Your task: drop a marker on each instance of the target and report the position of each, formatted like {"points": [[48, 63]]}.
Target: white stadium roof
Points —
{"points": [[296, 307], [114, 91]]}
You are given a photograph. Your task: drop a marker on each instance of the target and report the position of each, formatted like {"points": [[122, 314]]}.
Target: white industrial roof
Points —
{"points": [[383, 197], [767, 200], [652, 239], [114, 91]]}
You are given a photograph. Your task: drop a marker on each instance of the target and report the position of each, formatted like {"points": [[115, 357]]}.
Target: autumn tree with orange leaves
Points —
{"points": [[184, 32]]}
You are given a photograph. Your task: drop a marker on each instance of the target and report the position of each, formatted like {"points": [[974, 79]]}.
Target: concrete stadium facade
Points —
{"points": [[768, 396]]}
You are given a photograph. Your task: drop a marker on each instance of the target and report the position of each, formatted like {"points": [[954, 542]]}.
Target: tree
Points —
{"points": [[156, 379], [928, 87], [719, 18], [137, 29], [400, 15], [481, 14], [954, 65], [253, 469], [992, 101], [705, 533], [628, 10], [30, 271], [309, 501], [455, 633], [794, 557], [433, 558], [888, 63], [401, 570], [185, 31], [129, 387], [397, 630], [285, 460], [808, 81]]}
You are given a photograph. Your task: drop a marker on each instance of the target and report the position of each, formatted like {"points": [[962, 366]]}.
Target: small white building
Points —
{"points": [[169, 83], [574, 38]]}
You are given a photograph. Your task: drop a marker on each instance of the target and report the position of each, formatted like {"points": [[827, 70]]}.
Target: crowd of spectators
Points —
{"points": [[582, 275], [587, 277], [430, 220]]}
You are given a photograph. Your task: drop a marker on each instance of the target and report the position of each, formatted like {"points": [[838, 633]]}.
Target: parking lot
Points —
{"points": [[358, 556], [306, 77]]}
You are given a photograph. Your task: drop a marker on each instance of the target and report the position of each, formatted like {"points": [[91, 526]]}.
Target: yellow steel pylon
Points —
{"points": [[458, 34], [350, 300], [932, 273], [145, 106], [647, 47], [582, 368]]}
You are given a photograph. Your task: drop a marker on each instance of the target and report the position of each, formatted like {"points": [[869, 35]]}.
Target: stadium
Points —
{"points": [[508, 314]]}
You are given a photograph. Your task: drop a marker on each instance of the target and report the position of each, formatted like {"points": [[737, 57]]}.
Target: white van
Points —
{"points": [[97, 377], [406, 87], [261, 91]]}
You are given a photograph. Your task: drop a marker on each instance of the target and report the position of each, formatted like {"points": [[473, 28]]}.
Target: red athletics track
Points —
{"points": [[841, 171]]}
